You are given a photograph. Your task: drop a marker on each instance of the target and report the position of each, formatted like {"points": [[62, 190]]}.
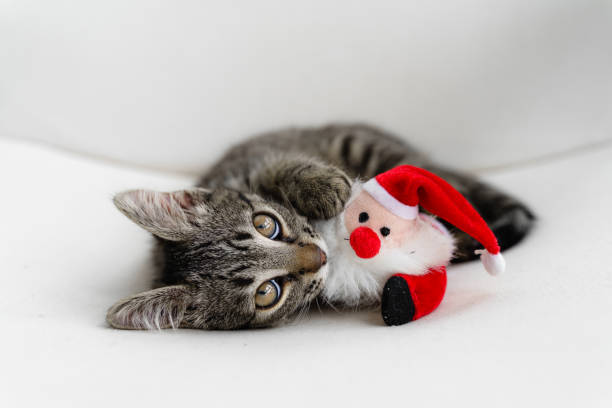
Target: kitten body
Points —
{"points": [[212, 258]]}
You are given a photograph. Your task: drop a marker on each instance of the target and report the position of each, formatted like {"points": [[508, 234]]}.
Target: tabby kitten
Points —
{"points": [[239, 250]]}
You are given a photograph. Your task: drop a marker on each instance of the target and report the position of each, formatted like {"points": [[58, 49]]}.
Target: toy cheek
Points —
{"points": [[349, 222], [365, 242]]}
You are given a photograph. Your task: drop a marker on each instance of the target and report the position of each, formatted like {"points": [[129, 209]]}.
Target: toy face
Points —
{"points": [[371, 226]]}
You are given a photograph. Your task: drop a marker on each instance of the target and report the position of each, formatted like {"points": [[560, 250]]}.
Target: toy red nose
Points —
{"points": [[365, 242]]}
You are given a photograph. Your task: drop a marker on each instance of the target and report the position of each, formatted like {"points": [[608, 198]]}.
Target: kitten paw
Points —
{"points": [[322, 192]]}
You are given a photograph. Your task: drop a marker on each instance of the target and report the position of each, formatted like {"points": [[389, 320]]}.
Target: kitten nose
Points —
{"points": [[323, 256], [310, 258]]}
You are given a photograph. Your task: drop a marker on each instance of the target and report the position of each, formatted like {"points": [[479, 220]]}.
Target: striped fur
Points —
{"points": [[210, 258], [296, 165]]}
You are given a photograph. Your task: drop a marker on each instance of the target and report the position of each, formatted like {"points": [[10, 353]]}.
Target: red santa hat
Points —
{"points": [[402, 189]]}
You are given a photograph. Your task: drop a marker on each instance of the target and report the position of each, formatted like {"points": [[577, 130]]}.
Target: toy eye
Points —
{"points": [[267, 226], [384, 231], [268, 294], [363, 217]]}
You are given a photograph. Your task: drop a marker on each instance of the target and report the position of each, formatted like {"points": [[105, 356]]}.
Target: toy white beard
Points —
{"points": [[354, 281]]}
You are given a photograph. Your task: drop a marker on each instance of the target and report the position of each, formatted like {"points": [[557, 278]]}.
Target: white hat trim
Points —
{"points": [[407, 212], [493, 263]]}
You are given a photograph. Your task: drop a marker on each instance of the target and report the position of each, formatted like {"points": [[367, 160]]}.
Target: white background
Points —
{"points": [[170, 83], [519, 90]]}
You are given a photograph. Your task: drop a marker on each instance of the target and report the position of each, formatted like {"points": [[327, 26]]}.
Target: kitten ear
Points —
{"points": [[160, 308], [168, 215]]}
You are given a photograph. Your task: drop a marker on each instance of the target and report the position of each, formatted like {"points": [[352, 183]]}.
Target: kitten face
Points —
{"points": [[229, 260]]}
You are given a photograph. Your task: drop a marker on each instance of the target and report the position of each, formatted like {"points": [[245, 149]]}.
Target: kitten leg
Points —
{"points": [[509, 219], [315, 189]]}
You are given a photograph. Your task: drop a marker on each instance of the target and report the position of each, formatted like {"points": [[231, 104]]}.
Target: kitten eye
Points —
{"points": [[363, 217], [268, 294], [384, 231], [267, 226]]}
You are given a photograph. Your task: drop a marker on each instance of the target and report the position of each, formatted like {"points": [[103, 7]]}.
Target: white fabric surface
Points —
{"points": [[538, 335], [168, 84]]}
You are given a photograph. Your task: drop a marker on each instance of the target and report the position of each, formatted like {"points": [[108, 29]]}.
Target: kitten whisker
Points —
{"points": [[330, 305], [317, 303]]}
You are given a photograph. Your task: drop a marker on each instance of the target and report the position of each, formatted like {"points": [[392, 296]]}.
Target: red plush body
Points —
{"points": [[426, 290]]}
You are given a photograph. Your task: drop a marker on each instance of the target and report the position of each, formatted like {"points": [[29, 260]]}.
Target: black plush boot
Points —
{"points": [[397, 305]]}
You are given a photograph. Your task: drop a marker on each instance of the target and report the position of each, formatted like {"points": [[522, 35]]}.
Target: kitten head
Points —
{"points": [[229, 260]]}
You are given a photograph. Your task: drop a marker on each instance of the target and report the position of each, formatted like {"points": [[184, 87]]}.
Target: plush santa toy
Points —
{"points": [[382, 249]]}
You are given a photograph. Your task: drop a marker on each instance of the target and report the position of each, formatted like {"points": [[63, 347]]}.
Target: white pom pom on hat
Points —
{"points": [[402, 189]]}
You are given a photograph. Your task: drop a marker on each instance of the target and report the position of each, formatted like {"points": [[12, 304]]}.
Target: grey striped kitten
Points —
{"points": [[239, 250]]}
